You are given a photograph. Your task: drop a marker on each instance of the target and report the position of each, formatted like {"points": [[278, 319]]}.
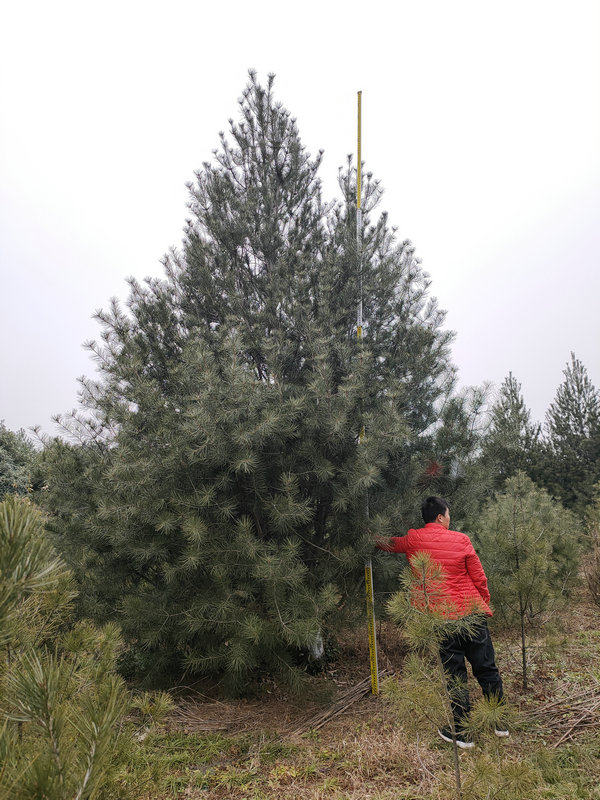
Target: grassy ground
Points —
{"points": [[366, 753]]}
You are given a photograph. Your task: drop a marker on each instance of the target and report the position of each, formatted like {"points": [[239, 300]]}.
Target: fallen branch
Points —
{"points": [[588, 713], [570, 714], [348, 698], [543, 709]]}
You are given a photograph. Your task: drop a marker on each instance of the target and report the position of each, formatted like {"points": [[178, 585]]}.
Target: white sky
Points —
{"points": [[482, 120]]}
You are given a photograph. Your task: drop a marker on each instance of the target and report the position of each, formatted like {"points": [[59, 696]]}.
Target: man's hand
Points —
{"points": [[381, 542]]}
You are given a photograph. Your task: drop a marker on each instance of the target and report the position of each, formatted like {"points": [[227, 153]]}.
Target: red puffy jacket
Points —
{"points": [[465, 583]]}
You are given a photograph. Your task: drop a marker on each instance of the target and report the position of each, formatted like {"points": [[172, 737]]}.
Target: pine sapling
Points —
{"points": [[529, 546], [60, 696]]}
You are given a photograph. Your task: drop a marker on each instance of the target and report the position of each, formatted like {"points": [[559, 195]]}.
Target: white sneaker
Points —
{"points": [[462, 739]]}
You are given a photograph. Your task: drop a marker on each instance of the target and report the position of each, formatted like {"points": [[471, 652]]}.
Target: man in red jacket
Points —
{"points": [[465, 589]]}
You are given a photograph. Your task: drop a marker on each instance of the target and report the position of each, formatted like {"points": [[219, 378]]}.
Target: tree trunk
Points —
{"points": [[523, 651]]}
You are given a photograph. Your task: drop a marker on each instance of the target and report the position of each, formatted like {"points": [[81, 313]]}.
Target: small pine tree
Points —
{"points": [[512, 441], [529, 546], [573, 430], [17, 455]]}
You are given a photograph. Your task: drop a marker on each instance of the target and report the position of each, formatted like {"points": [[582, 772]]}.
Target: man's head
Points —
{"points": [[436, 509]]}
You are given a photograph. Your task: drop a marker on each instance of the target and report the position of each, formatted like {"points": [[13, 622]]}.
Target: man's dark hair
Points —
{"points": [[431, 507]]}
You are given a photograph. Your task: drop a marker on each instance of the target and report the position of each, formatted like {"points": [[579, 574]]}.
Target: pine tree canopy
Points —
{"points": [[215, 498]]}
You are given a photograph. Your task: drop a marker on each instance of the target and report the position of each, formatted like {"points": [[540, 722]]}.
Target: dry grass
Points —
{"points": [[218, 750]]}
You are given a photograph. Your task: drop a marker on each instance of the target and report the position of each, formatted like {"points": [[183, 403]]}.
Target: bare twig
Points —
{"points": [[348, 698], [588, 712]]}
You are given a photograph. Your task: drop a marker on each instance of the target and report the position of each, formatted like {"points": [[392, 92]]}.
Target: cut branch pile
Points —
{"points": [[569, 715], [207, 717], [344, 701]]}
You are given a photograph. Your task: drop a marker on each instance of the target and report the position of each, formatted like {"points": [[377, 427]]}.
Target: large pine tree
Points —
{"points": [[215, 500]]}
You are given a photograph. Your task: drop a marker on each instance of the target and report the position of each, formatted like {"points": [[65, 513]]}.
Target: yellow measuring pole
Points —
{"points": [[359, 332], [358, 154]]}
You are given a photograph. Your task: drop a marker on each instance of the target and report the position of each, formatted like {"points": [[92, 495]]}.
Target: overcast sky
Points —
{"points": [[481, 119]]}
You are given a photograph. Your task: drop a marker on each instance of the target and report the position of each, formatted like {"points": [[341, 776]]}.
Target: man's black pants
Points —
{"points": [[479, 652]]}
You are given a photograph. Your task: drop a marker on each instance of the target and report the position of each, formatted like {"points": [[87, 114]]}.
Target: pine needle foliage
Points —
{"points": [[30, 569], [60, 696], [214, 497]]}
